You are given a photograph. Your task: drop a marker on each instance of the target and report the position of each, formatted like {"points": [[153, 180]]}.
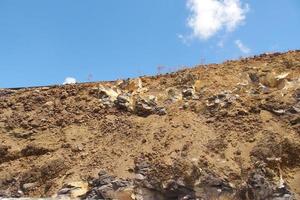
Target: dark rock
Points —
{"points": [[124, 102], [106, 186], [22, 134], [3, 150], [104, 179], [32, 150], [176, 190], [258, 187], [297, 95], [254, 77], [188, 93], [146, 107], [221, 100], [53, 168], [148, 194], [161, 111], [296, 108], [295, 121], [65, 190], [282, 194]]}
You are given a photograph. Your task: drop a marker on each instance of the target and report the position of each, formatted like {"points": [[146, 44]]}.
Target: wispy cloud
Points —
{"points": [[220, 44], [69, 80], [242, 47], [208, 17]]}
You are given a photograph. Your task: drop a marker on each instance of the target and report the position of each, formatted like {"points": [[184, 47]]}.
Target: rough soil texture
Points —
{"points": [[226, 131]]}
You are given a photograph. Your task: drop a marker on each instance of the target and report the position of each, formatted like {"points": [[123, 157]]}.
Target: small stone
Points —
{"points": [[28, 186], [49, 103], [296, 108], [254, 77], [77, 148], [186, 105], [185, 125], [161, 111], [3, 150], [251, 140], [140, 177], [188, 93], [279, 112], [238, 152]]}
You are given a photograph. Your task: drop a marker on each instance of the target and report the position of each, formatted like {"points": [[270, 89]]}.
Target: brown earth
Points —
{"points": [[227, 123]]}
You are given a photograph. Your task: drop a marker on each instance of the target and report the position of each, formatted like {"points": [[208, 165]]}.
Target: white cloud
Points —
{"points": [[242, 47], [211, 16], [69, 80]]}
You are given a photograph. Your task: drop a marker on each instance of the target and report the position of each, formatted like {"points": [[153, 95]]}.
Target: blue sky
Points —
{"points": [[44, 41]]}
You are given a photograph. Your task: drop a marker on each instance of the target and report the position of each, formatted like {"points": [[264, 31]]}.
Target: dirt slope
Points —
{"points": [[227, 131]]}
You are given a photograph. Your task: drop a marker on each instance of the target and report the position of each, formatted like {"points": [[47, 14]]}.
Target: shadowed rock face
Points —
{"points": [[227, 131]]}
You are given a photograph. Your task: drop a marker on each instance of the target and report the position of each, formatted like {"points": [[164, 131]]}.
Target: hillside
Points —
{"points": [[219, 131]]}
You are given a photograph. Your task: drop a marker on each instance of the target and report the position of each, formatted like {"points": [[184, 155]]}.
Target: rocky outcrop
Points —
{"points": [[226, 131]]}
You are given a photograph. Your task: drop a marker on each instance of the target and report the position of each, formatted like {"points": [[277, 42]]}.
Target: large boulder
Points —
{"points": [[72, 190], [147, 106], [124, 102], [273, 80], [174, 94], [131, 85], [107, 95], [109, 187]]}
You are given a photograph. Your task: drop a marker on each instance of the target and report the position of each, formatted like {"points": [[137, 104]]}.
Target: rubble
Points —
{"points": [[6, 92], [222, 100], [148, 106], [108, 187], [259, 187], [229, 131]]}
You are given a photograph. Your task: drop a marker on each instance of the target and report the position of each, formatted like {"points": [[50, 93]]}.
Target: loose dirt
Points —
{"points": [[234, 121]]}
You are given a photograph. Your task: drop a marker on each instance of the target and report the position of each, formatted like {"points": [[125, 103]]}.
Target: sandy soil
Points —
{"points": [[228, 120]]}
